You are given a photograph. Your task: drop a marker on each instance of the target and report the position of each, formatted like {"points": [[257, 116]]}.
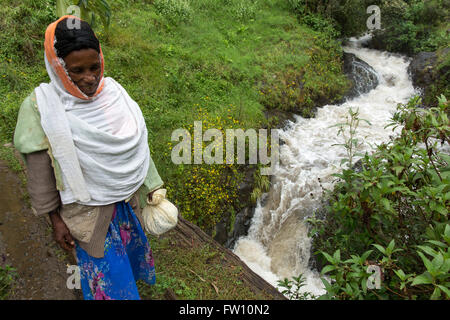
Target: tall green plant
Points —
{"points": [[88, 10], [351, 142]]}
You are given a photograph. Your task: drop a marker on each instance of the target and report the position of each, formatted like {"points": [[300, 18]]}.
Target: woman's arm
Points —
{"points": [[45, 197]]}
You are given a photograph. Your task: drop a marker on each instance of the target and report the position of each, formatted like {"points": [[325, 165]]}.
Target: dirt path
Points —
{"points": [[26, 243]]}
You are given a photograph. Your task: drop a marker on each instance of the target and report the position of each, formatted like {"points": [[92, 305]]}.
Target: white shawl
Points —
{"points": [[100, 144]]}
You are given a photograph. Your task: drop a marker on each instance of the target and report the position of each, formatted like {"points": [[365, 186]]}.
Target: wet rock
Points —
{"points": [[362, 76], [426, 73], [279, 118], [421, 69], [246, 186], [221, 231], [241, 226]]}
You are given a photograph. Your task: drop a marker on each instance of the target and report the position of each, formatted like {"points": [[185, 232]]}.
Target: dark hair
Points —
{"points": [[70, 39]]}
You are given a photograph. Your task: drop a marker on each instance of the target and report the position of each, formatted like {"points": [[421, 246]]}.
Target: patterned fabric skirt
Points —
{"points": [[128, 258]]}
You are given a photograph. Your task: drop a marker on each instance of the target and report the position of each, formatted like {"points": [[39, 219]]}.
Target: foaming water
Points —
{"points": [[277, 245]]}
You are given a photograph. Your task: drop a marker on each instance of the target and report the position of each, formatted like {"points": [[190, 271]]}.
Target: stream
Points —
{"points": [[277, 245]]}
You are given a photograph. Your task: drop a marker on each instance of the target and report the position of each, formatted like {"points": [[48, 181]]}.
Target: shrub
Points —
{"points": [[412, 27], [204, 192], [397, 204]]}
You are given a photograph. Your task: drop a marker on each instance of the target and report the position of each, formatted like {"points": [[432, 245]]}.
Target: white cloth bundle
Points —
{"points": [[100, 144], [160, 215]]}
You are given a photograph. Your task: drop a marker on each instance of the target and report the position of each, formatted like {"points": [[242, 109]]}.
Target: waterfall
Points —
{"points": [[277, 245]]}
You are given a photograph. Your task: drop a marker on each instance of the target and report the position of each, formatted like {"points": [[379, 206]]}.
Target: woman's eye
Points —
{"points": [[95, 68], [76, 71]]}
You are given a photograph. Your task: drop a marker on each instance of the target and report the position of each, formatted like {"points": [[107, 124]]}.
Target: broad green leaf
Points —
{"points": [[366, 255], [441, 209], [424, 278], [364, 285], [428, 250], [436, 294], [400, 274], [437, 261], [438, 243], [337, 255], [390, 247], [380, 248], [398, 169], [426, 262], [61, 7], [328, 257], [328, 269], [387, 204], [447, 231], [446, 267], [446, 290], [348, 289], [327, 285]]}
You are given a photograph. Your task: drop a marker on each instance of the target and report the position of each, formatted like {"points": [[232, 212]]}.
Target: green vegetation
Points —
{"points": [[293, 287], [441, 74], [7, 275], [393, 213], [90, 10], [414, 26]]}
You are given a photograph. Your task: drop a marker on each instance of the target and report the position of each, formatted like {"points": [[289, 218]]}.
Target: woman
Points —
{"points": [[84, 141]]}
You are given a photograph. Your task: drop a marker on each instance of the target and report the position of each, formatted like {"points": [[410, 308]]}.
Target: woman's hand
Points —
{"points": [[60, 231], [150, 195]]}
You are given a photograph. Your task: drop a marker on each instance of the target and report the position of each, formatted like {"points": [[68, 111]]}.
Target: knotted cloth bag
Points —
{"points": [[160, 215]]}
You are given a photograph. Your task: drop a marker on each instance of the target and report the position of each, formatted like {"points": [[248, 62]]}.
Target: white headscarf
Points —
{"points": [[100, 143]]}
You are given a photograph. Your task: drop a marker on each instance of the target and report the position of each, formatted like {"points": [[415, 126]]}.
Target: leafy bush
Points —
{"points": [[320, 23], [398, 203], [205, 192], [292, 288], [347, 17], [412, 27]]}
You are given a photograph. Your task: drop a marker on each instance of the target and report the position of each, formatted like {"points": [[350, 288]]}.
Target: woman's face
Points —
{"points": [[84, 68]]}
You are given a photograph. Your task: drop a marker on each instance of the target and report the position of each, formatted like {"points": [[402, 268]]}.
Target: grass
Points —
{"points": [[197, 272], [7, 276]]}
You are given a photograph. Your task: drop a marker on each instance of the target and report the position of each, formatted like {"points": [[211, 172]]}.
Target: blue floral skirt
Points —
{"points": [[128, 258]]}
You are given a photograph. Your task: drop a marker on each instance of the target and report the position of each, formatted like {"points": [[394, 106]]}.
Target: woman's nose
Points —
{"points": [[90, 77]]}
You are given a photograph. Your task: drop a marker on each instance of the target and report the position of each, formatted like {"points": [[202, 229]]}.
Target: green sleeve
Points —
{"points": [[152, 182], [29, 135]]}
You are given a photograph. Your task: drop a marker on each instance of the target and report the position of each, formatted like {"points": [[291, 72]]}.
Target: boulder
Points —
{"points": [[241, 226], [421, 69], [429, 75], [362, 76]]}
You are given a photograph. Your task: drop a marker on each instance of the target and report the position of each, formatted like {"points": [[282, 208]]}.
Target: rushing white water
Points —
{"points": [[277, 245]]}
